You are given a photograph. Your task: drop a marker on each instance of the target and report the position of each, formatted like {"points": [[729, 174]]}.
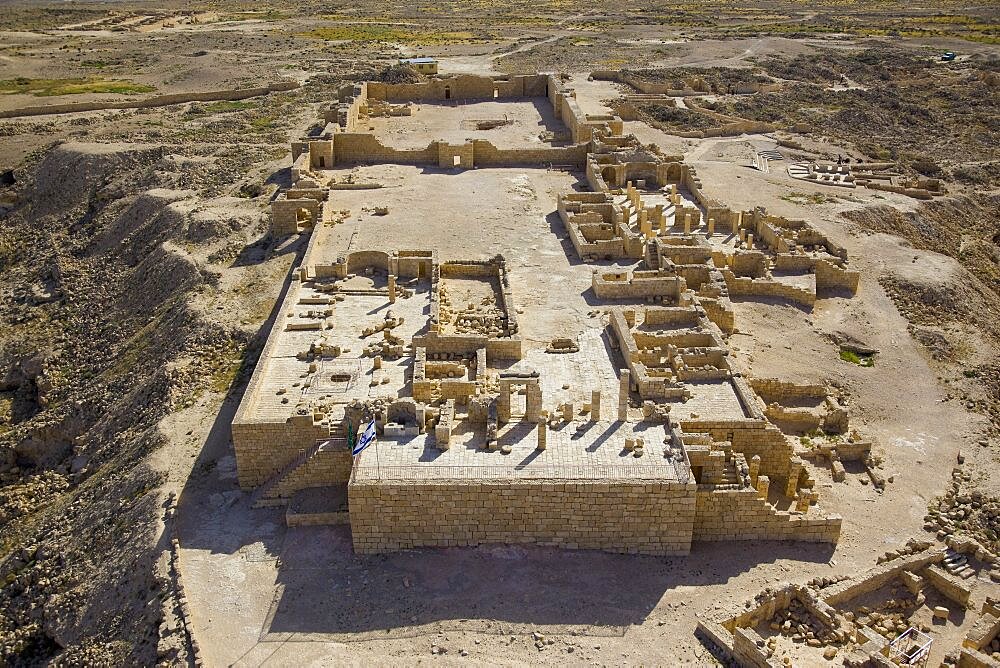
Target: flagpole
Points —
{"points": [[378, 463]]}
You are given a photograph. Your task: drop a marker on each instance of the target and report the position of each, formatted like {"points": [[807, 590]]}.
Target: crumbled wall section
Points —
{"points": [[741, 514], [645, 517]]}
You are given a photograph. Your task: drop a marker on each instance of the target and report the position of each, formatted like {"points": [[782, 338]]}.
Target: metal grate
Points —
{"points": [[911, 648]]}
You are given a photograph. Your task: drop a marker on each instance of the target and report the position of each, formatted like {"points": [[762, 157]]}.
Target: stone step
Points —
{"points": [[966, 572]]}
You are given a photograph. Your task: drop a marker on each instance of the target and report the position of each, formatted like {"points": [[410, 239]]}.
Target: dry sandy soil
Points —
{"points": [[185, 187]]}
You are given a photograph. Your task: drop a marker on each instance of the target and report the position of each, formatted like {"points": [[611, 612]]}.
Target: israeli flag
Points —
{"points": [[366, 439]]}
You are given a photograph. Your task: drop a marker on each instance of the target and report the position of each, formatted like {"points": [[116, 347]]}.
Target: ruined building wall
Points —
{"points": [[647, 517], [363, 148], [750, 437], [262, 447], [460, 87], [741, 514], [831, 277]]}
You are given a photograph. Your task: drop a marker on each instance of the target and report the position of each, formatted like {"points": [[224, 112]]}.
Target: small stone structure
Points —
{"points": [[826, 614]]}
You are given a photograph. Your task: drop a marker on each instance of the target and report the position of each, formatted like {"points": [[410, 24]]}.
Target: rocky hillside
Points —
{"points": [[100, 265]]}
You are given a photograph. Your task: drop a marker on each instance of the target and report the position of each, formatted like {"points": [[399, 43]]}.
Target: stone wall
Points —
{"points": [[637, 284], [263, 449], [741, 514], [645, 517], [760, 287], [750, 437], [155, 101], [362, 148], [461, 87], [285, 214]]}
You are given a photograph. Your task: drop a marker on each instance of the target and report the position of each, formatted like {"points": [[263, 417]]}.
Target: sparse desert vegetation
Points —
{"points": [[139, 282]]}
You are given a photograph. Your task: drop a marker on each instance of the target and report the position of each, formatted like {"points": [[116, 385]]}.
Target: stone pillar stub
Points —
{"points": [[623, 384], [503, 403], [532, 401], [763, 485]]}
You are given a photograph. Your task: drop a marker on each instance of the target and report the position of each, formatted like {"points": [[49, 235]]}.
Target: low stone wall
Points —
{"points": [[363, 148], [645, 517], [751, 287], [637, 285], [949, 585], [831, 277], [156, 101]]}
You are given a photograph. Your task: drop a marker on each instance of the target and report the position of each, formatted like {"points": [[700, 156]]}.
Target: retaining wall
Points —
{"points": [[156, 101], [621, 516]]}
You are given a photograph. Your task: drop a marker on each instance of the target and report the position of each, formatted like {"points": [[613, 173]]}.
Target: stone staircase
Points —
{"points": [[957, 564], [729, 474], [652, 257]]}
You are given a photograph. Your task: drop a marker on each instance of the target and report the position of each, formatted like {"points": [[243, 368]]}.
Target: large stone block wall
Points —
{"points": [[461, 87], [488, 155], [741, 514], [637, 285], [364, 148], [831, 277], [750, 437], [622, 516], [767, 288], [263, 449], [367, 149], [509, 348], [285, 214]]}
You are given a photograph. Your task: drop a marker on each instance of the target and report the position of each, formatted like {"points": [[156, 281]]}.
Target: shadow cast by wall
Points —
{"points": [[326, 589]]}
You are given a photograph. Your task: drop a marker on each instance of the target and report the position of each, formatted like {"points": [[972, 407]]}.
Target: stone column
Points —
{"points": [[645, 226], [658, 218], [503, 403], [542, 433], [567, 411], [623, 383], [595, 405], [754, 469], [763, 483], [532, 401], [377, 362], [392, 289], [711, 226], [749, 241]]}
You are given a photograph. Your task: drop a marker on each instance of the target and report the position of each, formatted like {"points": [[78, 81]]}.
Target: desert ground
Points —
{"points": [[140, 282]]}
